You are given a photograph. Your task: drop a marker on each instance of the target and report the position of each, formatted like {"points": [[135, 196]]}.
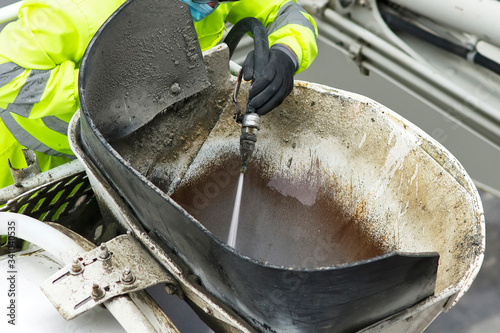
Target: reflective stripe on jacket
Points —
{"points": [[40, 54], [286, 22], [39, 61]]}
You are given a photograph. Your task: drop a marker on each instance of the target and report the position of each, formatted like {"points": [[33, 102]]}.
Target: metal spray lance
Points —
{"points": [[250, 125], [250, 121]]}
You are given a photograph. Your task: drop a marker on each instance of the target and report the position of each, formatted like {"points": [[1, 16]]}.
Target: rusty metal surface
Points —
{"points": [[31, 170], [72, 292], [190, 285], [404, 190]]}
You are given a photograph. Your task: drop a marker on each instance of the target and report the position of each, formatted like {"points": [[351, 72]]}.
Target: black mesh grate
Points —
{"points": [[54, 200]]}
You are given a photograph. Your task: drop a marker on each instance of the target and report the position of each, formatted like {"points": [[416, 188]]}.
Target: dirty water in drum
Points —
{"points": [[281, 222]]}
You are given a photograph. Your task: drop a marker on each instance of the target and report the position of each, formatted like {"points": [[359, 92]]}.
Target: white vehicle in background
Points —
{"points": [[435, 63]]}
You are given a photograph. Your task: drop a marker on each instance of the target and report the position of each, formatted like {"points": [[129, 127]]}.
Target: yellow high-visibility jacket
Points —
{"points": [[40, 55]]}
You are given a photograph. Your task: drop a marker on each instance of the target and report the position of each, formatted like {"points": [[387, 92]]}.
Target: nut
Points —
{"points": [[104, 253], [175, 88], [127, 276], [76, 266], [97, 291]]}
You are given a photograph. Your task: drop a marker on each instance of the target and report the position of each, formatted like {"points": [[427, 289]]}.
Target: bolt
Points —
{"points": [[175, 88], [127, 276], [97, 291], [170, 289], [207, 310], [196, 279], [76, 266], [104, 253]]}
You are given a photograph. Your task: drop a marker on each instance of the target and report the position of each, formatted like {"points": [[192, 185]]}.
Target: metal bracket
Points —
{"points": [[117, 267], [356, 55], [32, 169], [315, 7]]}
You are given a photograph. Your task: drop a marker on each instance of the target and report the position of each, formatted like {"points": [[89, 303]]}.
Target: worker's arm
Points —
{"points": [[39, 58], [292, 36], [286, 22]]}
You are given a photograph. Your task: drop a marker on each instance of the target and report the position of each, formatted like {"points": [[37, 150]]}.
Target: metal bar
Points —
{"points": [[64, 249], [234, 68], [476, 115], [153, 312], [128, 315], [477, 17], [397, 55], [65, 170], [9, 12]]}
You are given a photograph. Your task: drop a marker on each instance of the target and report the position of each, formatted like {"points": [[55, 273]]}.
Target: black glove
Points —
{"points": [[275, 83]]}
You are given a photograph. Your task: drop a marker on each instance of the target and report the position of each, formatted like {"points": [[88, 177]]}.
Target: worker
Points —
{"points": [[40, 55]]}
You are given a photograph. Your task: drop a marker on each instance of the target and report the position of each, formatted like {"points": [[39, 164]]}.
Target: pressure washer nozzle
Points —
{"points": [[247, 146], [249, 127]]}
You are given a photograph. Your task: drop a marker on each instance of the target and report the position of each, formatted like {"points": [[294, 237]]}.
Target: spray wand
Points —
{"points": [[250, 125], [250, 121]]}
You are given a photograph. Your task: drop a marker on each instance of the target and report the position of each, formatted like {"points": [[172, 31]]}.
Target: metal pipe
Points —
{"points": [[129, 316], [483, 118], [234, 68], [12, 191], [477, 17], [419, 69], [411, 82], [9, 12], [420, 88], [41, 234], [251, 120], [65, 249]]}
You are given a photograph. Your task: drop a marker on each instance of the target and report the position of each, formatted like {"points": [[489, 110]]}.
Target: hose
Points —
{"points": [[396, 22], [487, 63], [260, 42], [250, 122]]}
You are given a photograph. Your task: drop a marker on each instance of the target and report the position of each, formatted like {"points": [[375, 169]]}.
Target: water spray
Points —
{"points": [[250, 121]]}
